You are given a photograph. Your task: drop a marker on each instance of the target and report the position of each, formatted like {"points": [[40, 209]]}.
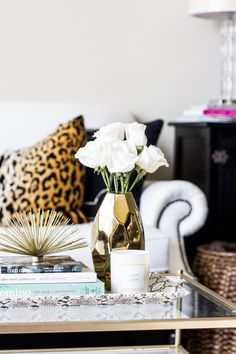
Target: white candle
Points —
{"points": [[129, 271]]}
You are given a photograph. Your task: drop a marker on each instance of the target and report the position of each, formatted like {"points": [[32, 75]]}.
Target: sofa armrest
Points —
{"points": [[178, 209]]}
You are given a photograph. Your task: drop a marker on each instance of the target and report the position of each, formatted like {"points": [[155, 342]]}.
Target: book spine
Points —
{"points": [[219, 104], [70, 277], [220, 111], [41, 290], [40, 268]]}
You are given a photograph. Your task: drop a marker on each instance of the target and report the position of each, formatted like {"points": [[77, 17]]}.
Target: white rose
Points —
{"points": [[121, 157], [92, 155], [111, 132], [135, 134], [151, 158]]}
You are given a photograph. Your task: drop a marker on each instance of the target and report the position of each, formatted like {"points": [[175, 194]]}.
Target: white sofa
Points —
{"points": [[170, 210]]}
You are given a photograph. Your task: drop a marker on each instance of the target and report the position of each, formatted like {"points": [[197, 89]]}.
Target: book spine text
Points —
{"points": [[69, 277], [57, 268], [42, 290]]}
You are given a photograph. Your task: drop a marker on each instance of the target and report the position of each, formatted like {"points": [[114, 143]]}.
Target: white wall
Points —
{"points": [[147, 56]]}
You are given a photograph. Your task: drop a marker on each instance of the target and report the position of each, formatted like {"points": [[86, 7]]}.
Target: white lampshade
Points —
{"points": [[211, 8]]}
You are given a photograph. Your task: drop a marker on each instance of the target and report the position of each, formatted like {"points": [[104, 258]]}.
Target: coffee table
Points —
{"points": [[202, 308]]}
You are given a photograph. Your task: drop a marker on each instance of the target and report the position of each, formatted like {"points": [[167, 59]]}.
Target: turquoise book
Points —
{"points": [[51, 289]]}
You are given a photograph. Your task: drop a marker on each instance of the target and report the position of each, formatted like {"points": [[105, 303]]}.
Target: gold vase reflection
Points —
{"points": [[117, 225]]}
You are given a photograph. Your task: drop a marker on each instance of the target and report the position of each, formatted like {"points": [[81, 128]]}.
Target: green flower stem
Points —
{"points": [[126, 185], [140, 175], [116, 183], [106, 179], [122, 183], [121, 180]]}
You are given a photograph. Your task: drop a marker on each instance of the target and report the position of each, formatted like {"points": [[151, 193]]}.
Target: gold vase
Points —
{"points": [[117, 225]]}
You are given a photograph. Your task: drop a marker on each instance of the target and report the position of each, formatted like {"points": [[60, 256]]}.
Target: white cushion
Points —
{"points": [[158, 246], [155, 242]]}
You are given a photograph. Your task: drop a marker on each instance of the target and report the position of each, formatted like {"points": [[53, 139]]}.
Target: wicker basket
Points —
{"points": [[215, 267]]}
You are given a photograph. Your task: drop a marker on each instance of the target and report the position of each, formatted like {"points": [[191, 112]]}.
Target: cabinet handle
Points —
{"points": [[220, 156]]}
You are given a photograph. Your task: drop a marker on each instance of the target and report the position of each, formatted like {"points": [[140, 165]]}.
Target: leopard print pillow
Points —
{"points": [[45, 175]]}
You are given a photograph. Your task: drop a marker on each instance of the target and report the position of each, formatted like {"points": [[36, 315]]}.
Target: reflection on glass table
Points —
{"points": [[200, 309], [204, 303]]}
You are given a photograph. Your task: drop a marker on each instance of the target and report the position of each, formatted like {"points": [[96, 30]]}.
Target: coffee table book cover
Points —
{"points": [[34, 290], [50, 264]]}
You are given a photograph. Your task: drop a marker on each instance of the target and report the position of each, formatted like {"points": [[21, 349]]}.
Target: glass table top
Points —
{"points": [[201, 308], [201, 302]]}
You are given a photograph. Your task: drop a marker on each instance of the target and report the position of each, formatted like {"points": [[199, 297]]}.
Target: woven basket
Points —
{"points": [[215, 267]]}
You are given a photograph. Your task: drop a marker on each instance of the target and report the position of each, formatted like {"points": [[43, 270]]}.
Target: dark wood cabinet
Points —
{"points": [[205, 154]]}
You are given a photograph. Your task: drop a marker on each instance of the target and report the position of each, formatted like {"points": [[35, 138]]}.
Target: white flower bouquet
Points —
{"points": [[120, 154]]}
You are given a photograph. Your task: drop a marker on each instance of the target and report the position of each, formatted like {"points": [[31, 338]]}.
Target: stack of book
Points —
{"points": [[218, 110], [57, 276], [215, 111]]}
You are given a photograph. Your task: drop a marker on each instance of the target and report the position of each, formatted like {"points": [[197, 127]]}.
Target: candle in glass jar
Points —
{"points": [[129, 271]]}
